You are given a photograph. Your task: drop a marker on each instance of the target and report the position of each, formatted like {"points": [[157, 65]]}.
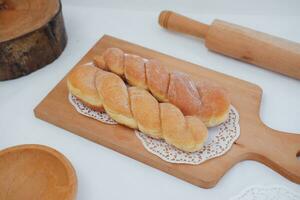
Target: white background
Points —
{"points": [[105, 174]]}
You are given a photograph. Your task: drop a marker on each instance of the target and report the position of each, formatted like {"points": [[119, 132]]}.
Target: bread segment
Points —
{"points": [[134, 70], [186, 133], [215, 103], [81, 84], [114, 60], [114, 96], [173, 124], [157, 80], [183, 93], [145, 110], [198, 131]]}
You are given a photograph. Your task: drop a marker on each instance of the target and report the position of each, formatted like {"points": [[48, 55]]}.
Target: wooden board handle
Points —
{"points": [[279, 151], [178, 23]]}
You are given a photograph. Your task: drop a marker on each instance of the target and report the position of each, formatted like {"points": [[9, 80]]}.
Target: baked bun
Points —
{"points": [[186, 133], [183, 93], [114, 60], [145, 110], [157, 80], [99, 61], [198, 131], [215, 103], [114, 96], [81, 83], [134, 71]]}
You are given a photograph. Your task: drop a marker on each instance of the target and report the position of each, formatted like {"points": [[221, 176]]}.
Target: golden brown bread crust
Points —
{"points": [[114, 60], [186, 133], [134, 70], [145, 110], [215, 103], [81, 83], [95, 108], [157, 80], [114, 96], [137, 108], [198, 131], [100, 62], [183, 93], [204, 99]]}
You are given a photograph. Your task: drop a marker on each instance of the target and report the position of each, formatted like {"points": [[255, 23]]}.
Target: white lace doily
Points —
{"points": [[219, 140], [267, 193], [84, 110]]}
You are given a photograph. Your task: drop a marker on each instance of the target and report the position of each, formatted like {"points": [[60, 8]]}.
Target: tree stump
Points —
{"points": [[32, 35]]}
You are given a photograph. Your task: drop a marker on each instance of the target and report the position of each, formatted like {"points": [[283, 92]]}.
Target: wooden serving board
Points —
{"points": [[258, 142]]}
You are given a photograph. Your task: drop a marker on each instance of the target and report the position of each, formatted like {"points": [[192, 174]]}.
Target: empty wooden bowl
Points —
{"points": [[30, 172]]}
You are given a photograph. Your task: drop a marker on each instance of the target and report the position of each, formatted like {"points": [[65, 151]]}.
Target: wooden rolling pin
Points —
{"points": [[267, 51]]}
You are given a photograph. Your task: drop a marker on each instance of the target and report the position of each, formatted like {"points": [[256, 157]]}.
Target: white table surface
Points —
{"points": [[105, 174]]}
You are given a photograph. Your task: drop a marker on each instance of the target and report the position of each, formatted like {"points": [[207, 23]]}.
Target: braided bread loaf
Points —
{"points": [[136, 108], [204, 99]]}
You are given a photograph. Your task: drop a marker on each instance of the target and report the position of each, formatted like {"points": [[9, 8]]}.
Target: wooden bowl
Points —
{"points": [[36, 172]]}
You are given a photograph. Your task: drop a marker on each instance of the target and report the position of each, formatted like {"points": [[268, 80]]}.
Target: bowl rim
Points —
{"points": [[71, 173]]}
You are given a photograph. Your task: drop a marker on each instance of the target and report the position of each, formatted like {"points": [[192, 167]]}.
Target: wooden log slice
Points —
{"points": [[32, 35]]}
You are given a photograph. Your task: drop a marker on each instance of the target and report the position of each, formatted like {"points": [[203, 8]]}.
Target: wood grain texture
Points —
{"points": [[36, 172], [32, 35], [258, 142], [261, 49], [178, 23], [270, 52]]}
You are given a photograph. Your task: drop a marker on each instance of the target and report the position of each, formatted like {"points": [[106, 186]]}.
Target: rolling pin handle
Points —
{"points": [[178, 23]]}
